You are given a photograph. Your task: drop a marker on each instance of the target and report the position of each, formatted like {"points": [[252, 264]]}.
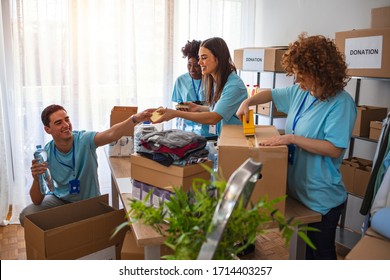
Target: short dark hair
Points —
{"points": [[191, 49], [48, 111]]}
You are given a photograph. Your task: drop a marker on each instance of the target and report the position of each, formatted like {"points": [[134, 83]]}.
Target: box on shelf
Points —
{"points": [[347, 169], [264, 109], [153, 173], [234, 150], [366, 114], [375, 130], [362, 176], [380, 17], [121, 113], [259, 59], [74, 230], [367, 51], [356, 174]]}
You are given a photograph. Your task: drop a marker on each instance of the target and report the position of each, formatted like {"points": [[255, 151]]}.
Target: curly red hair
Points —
{"points": [[319, 58]]}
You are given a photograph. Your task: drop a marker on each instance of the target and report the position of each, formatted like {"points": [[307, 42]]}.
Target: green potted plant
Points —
{"points": [[186, 218]]}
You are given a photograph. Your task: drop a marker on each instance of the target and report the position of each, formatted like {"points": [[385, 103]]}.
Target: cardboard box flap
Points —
{"points": [[70, 213], [233, 134], [234, 149]]}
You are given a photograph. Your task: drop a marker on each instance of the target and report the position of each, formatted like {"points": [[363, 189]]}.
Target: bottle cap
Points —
{"points": [[39, 147]]}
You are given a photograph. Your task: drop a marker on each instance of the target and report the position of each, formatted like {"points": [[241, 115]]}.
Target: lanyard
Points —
{"points": [[64, 164], [196, 91], [298, 115]]}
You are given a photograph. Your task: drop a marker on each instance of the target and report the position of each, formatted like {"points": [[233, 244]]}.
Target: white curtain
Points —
{"points": [[89, 55]]}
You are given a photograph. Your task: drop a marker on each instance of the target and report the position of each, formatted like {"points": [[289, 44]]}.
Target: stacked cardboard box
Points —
{"points": [[380, 17], [367, 51], [375, 130], [366, 114], [356, 174], [259, 59], [264, 109], [234, 149]]}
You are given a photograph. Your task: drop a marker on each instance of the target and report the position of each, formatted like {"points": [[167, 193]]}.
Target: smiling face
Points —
{"points": [[194, 68], [208, 62], [60, 126]]}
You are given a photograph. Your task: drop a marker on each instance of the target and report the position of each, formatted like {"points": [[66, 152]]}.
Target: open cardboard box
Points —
{"points": [[234, 149], [74, 230], [366, 114], [356, 174]]}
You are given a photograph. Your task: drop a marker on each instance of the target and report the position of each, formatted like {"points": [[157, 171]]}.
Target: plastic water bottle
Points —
{"points": [[45, 180], [213, 156], [141, 130]]}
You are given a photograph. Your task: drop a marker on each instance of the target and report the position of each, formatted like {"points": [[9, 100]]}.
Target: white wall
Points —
{"points": [[279, 22]]}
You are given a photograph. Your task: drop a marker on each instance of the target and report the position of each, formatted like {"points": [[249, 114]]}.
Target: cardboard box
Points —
{"points": [[367, 51], [375, 130], [356, 174], [371, 246], [234, 149], [366, 114], [362, 176], [380, 17], [259, 59], [264, 109], [131, 251], [347, 169], [153, 173], [121, 113], [74, 230]]}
